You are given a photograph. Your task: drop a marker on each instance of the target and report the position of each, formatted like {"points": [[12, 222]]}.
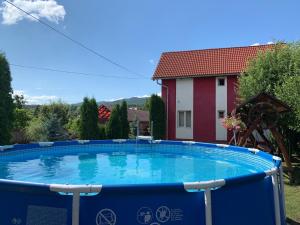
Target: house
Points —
{"points": [[133, 115], [198, 88]]}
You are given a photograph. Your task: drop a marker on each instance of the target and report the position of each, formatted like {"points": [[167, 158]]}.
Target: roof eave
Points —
{"points": [[159, 77]]}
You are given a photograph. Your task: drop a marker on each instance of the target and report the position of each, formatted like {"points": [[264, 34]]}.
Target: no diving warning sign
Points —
{"points": [[106, 217]]}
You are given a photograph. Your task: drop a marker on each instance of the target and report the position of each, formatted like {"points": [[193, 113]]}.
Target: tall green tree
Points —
{"points": [[124, 120], [113, 126], [6, 102], [277, 72], [89, 119], [157, 116]]}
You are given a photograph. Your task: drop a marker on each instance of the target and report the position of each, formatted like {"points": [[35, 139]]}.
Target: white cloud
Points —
{"points": [[257, 43], [47, 9], [36, 99], [151, 61]]}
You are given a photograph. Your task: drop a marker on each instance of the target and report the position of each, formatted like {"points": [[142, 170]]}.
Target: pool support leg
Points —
{"points": [[208, 216], [276, 199], [75, 208], [282, 191]]}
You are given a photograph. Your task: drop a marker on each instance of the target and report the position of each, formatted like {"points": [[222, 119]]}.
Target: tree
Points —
{"points": [[54, 127], [37, 130], [89, 119], [6, 102], [124, 120], [157, 116], [60, 110], [19, 101], [277, 72], [113, 126]]}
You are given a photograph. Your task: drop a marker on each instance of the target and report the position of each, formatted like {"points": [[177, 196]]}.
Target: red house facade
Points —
{"points": [[198, 88]]}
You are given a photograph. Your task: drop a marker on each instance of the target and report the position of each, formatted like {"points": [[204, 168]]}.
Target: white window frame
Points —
{"points": [[184, 119]]}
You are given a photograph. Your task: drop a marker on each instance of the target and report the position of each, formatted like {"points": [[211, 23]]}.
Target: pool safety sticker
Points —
{"points": [[163, 214], [106, 217]]}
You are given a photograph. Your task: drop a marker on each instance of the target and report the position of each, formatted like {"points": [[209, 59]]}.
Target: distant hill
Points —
{"points": [[133, 101]]}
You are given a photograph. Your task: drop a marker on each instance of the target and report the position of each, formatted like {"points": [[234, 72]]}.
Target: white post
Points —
{"points": [[208, 216], [276, 199], [75, 208], [282, 191], [75, 190]]}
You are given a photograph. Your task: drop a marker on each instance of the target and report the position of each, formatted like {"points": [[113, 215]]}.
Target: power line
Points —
{"points": [[74, 72], [74, 41]]}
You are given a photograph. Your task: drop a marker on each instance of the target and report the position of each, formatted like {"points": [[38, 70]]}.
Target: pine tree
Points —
{"points": [[93, 112], [6, 102], [157, 116], [89, 119], [124, 120], [113, 126]]}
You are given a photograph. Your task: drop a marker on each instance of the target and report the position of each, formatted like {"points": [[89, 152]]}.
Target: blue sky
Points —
{"points": [[133, 33]]}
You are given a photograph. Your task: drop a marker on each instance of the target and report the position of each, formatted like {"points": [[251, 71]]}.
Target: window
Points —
{"points": [[221, 81], [181, 119], [188, 119], [221, 114], [185, 119]]}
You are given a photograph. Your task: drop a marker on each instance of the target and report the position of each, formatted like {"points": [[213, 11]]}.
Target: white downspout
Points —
{"points": [[167, 104]]}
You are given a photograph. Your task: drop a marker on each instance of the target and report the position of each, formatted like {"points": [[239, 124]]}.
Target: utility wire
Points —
{"points": [[74, 72], [75, 41]]}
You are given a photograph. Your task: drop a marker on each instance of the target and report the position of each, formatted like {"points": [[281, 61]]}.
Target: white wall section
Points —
{"points": [[221, 105], [184, 102]]}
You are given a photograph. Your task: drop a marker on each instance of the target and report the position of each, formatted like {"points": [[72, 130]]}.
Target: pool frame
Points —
{"points": [[276, 174]]}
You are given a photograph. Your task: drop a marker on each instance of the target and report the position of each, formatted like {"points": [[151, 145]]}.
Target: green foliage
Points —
{"points": [[113, 126], [157, 115], [102, 132], [89, 119], [55, 109], [289, 92], [147, 104], [6, 102], [277, 72], [124, 120], [54, 128], [50, 122], [37, 130], [73, 127], [19, 101], [21, 118]]}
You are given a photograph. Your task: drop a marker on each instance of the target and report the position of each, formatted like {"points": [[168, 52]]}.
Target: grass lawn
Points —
{"points": [[292, 197]]}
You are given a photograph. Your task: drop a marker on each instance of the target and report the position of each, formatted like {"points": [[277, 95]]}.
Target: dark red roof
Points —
{"points": [[103, 113], [207, 62], [133, 114]]}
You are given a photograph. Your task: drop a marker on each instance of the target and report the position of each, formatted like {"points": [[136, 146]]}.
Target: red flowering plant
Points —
{"points": [[233, 123]]}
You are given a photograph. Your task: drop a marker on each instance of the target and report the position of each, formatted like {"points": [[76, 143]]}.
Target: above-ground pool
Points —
{"points": [[130, 182]]}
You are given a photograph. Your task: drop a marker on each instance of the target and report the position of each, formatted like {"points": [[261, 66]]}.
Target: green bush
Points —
{"points": [[37, 130], [124, 120], [89, 119], [113, 126], [277, 72], [6, 102], [157, 116]]}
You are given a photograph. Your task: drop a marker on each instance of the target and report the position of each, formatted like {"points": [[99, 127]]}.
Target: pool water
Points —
{"points": [[131, 164]]}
